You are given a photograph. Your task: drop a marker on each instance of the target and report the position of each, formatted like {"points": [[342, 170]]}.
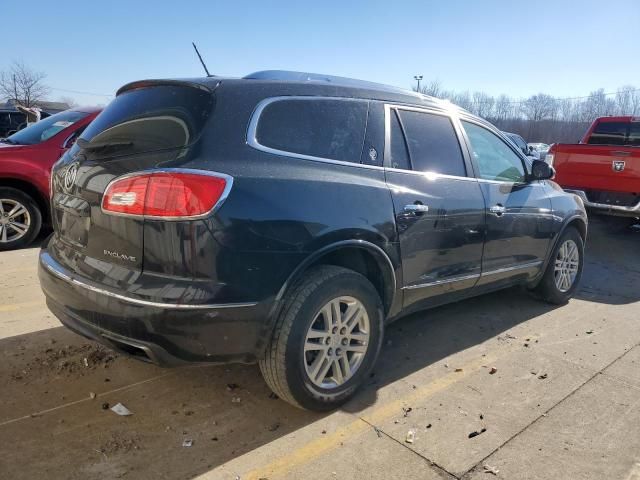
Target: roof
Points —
{"points": [[309, 83]]}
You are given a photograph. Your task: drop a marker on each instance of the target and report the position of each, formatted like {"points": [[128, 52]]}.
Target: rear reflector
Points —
{"points": [[165, 194]]}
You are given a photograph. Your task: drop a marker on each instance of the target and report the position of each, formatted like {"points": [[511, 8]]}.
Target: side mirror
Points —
{"points": [[541, 170]]}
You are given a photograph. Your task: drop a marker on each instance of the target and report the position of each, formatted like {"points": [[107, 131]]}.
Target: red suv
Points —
{"points": [[26, 158]]}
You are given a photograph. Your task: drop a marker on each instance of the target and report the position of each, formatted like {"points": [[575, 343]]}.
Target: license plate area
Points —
{"points": [[73, 219]]}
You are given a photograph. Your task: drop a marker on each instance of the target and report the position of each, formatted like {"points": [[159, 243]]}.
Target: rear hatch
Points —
{"points": [[148, 125]]}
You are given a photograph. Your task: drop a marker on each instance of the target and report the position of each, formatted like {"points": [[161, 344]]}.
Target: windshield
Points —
{"points": [[45, 129]]}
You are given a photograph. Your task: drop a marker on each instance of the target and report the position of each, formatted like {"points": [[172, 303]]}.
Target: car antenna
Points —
{"points": [[201, 61]]}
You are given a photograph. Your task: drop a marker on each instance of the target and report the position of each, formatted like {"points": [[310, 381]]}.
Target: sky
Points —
{"points": [[564, 48]]}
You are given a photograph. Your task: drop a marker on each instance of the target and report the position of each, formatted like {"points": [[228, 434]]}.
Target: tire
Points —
{"points": [[11, 238], [286, 366], [553, 291]]}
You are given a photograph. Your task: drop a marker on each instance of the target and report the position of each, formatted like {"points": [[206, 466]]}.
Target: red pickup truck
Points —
{"points": [[26, 158], [604, 168]]}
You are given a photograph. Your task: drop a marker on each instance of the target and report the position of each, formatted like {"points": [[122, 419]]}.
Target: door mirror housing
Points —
{"points": [[541, 170]]}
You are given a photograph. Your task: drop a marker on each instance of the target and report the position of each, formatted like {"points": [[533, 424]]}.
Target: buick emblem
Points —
{"points": [[618, 165], [69, 177]]}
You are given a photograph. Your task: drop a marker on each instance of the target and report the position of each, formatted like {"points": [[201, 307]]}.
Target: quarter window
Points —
{"points": [[495, 159], [332, 129], [433, 143]]}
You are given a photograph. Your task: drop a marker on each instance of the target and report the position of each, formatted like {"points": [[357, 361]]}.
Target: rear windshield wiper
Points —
{"points": [[9, 141], [97, 146]]}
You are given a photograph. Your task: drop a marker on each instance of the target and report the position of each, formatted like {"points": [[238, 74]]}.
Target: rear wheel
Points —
{"points": [[564, 270], [326, 339], [20, 219]]}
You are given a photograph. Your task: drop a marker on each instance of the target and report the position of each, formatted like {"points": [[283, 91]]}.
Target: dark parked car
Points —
{"points": [[286, 218], [519, 142], [11, 120]]}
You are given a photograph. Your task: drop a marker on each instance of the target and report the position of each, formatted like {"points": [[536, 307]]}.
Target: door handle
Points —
{"points": [[416, 208], [497, 210]]}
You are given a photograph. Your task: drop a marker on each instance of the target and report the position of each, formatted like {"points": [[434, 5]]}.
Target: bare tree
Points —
{"points": [[482, 104], [433, 89], [628, 100], [22, 84], [503, 108], [462, 99], [539, 107], [542, 117]]}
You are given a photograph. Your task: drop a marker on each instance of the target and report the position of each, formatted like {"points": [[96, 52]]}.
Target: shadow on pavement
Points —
{"points": [[612, 269], [196, 403]]}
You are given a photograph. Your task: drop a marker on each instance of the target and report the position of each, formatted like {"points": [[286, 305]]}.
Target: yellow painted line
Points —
{"points": [[326, 443], [12, 307]]}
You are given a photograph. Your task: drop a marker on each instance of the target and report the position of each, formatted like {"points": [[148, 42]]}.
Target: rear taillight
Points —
{"points": [[166, 194]]}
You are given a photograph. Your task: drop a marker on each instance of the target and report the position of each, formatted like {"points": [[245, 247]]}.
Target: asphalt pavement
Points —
{"points": [[499, 386]]}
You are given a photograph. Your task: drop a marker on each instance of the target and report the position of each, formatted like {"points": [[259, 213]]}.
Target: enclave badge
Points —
{"points": [[120, 256]]}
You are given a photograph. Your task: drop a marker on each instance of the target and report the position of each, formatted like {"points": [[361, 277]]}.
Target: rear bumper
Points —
{"points": [[165, 334], [620, 210]]}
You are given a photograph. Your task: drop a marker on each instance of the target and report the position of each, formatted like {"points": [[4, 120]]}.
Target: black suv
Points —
{"points": [[286, 218]]}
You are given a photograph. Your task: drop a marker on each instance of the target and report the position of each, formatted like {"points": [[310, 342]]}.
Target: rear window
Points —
{"points": [[151, 118], [321, 128], [610, 133]]}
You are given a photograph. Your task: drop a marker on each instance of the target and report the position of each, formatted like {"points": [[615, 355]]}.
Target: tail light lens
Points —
{"points": [[166, 194]]}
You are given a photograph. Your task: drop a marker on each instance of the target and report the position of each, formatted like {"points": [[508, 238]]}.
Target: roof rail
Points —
{"points": [[289, 76]]}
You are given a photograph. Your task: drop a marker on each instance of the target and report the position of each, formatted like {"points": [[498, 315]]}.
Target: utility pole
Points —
{"points": [[418, 78]]}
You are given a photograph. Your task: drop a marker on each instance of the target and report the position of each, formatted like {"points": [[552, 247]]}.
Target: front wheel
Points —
{"points": [[326, 339], [20, 219], [564, 270]]}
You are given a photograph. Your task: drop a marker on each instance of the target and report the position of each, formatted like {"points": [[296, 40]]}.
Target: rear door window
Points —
{"points": [[319, 128], [609, 133], [152, 118], [432, 142]]}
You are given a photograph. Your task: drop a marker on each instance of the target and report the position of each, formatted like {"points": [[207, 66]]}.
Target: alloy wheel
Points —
{"points": [[336, 342], [15, 220], [567, 263]]}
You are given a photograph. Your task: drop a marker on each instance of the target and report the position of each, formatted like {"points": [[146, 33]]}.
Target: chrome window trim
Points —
{"points": [[476, 275], [252, 129], [56, 269], [252, 141], [225, 193], [388, 106]]}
